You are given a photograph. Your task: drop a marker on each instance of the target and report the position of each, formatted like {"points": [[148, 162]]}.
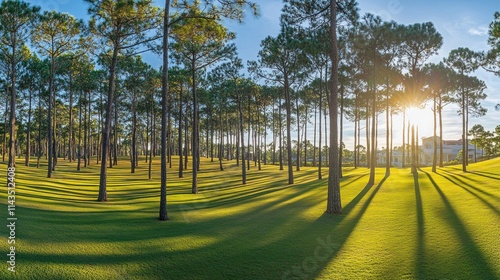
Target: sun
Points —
{"points": [[421, 117]]}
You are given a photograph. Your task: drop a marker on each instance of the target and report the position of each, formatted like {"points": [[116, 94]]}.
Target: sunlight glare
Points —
{"points": [[421, 117]]}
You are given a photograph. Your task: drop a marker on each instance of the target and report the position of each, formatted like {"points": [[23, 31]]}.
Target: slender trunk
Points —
{"points": [[367, 125], [85, 125], [211, 139], [107, 127], [49, 118], [265, 137], [39, 137], [71, 138], [341, 128], [4, 143], [134, 134], [320, 175], [440, 108], [297, 165], [334, 205], [258, 142], [413, 156], [115, 136], [248, 135], [403, 147], [280, 136], [28, 134], [373, 156], [434, 155], [314, 135], [355, 155], [464, 131], [186, 143], [305, 134], [79, 155], [88, 129], [195, 148], [164, 91], [221, 140], [288, 130], [274, 135], [408, 140], [387, 149], [152, 132], [179, 141], [243, 169]]}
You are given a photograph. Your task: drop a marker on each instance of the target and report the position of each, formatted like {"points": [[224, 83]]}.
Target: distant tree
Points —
{"points": [[54, 36], [30, 82], [281, 60], [229, 9], [198, 43], [136, 72], [477, 132], [16, 21], [470, 90], [441, 87], [122, 26], [421, 40]]}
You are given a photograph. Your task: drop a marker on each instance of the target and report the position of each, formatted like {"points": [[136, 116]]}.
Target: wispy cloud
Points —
{"points": [[478, 31]]}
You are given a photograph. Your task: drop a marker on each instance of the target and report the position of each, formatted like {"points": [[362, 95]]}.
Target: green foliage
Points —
{"points": [[126, 24], [200, 41], [56, 33]]}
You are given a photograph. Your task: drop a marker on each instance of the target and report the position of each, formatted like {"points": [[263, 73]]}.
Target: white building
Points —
{"points": [[451, 148]]}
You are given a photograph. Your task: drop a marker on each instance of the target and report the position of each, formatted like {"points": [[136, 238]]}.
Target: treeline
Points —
{"points": [[80, 91]]}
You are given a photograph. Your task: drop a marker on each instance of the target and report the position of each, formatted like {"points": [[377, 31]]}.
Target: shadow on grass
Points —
{"points": [[486, 174], [339, 228], [482, 269], [465, 186], [268, 230], [420, 256]]}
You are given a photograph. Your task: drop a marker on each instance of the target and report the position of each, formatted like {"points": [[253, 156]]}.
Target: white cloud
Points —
{"points": [[478, 31]]}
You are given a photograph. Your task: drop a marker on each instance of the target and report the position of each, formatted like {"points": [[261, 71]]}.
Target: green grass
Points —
{"points": [[433, 226]]}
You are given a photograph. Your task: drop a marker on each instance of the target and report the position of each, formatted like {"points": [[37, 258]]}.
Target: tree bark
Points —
{"points": [[28, 134], [243, 169], [49, 118], [334, 205], [434, 154], [163, 216], [194, 187], [107, 127], [288, 130]]}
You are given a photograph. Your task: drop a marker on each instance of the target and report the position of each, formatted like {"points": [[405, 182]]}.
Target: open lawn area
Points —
{"points": [[434, 226]]}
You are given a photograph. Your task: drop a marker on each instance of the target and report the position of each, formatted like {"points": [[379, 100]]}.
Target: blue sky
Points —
{"points": [[461, 23]]}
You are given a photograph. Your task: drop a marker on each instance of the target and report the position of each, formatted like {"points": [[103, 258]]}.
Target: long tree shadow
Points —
{"points": [[460, 183], [482, 269], [486, 174], [420, 256], [341, 230]]}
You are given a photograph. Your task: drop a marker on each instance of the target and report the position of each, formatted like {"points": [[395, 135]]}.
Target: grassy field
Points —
{"points": [[431, 226]]}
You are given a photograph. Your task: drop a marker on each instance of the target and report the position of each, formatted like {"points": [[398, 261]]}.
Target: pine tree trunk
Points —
{"points": [[79, 154], [28, 134], [179, 141], [107, 127], [163, 216], [49, 118], [195, 148], [288, 130], [243, 169], [434, 155], [334, 205]]}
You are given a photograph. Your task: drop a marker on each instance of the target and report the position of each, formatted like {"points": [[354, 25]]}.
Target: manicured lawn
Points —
{"points": [[434, 226]]}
